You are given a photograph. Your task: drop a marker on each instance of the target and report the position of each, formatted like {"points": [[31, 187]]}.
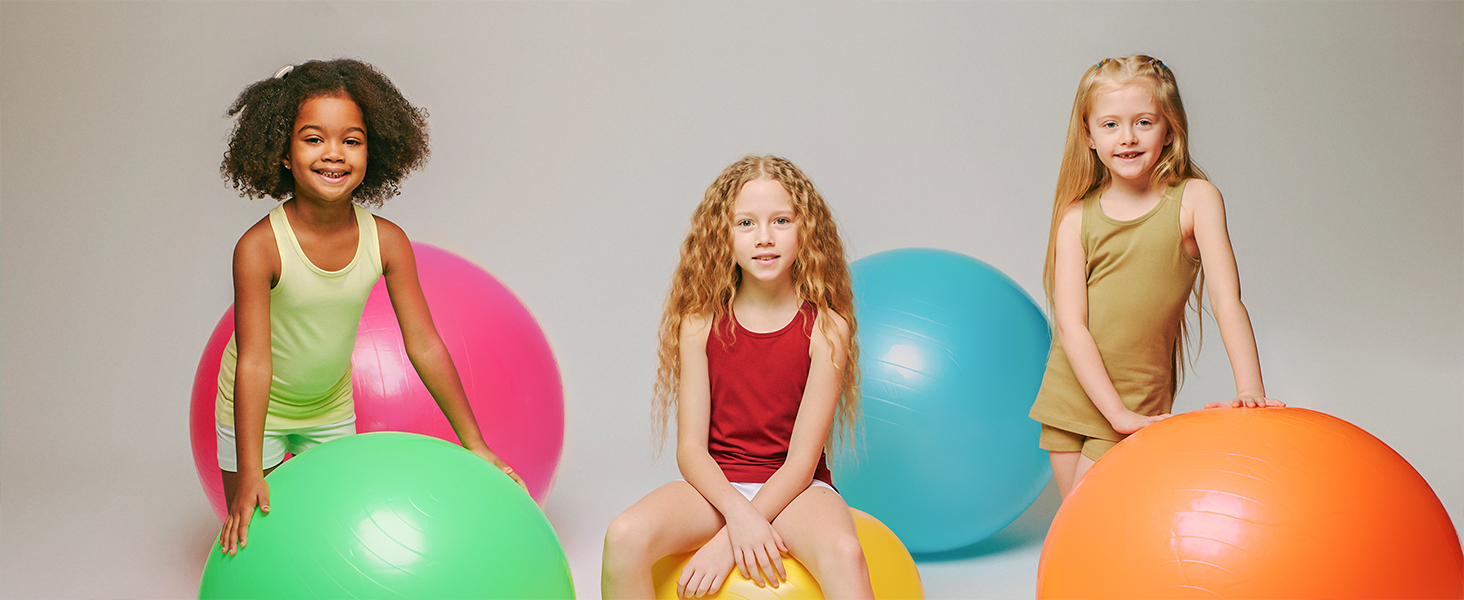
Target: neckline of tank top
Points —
{"points": [[1163, 198], [305, 258], [797, 319]]}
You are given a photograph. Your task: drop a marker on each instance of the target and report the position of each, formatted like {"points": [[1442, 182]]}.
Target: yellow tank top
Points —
{"points": [[313, 316], [1139, 279]]}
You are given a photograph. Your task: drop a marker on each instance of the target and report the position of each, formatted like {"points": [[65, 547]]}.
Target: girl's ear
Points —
{"points": [[285, 160]]}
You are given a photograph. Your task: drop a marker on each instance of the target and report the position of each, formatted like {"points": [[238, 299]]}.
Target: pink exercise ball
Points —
{"points": [[501, 355]]}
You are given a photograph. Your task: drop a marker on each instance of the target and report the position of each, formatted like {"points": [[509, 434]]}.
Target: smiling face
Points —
{"points": [[764, 233], [327, 154], [1127, 131]]}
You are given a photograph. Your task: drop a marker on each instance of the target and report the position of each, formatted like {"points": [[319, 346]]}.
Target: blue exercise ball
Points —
{"points": [[952, 352], [393, 515]]}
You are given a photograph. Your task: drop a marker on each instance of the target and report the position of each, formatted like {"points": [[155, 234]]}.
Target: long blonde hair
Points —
{"points": [[707, 277], [1082, 173]]}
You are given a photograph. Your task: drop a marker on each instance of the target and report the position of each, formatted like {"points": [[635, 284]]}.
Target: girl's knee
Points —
{"points": [[841, 554], [626, 535], [849, 552]]}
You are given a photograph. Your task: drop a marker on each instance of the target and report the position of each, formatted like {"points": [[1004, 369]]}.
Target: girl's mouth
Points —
{"points": [[1127, 155], [333, 175]]}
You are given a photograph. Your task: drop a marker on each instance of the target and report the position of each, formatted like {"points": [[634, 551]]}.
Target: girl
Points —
{"points": [[758, 361], [1133, 217], [322, 136]]}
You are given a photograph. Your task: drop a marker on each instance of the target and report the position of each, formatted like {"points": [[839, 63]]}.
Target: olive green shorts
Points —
{"points": [[1053, 439]]}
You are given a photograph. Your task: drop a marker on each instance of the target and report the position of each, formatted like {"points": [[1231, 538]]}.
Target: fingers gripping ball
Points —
{"points": [[951, 355], [1251, 503], [502, 357], [393, 515], [892, 572]]}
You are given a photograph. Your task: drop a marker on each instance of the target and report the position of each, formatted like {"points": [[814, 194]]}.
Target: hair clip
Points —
{"points": [[1103, 62], [285, 70], [1154, 62]]}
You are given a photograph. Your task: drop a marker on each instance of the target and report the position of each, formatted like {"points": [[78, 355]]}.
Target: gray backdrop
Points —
{"points": [[570, 144]]}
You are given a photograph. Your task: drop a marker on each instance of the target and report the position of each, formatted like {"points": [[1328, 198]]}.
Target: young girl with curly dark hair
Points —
{"points": [[759, 362], [323, 137]]}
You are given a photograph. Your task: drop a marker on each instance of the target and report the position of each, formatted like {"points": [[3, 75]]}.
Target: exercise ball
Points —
{"points": [[392, 515], [892, 572], [951, 355], [502, 357], [1251, 503]]}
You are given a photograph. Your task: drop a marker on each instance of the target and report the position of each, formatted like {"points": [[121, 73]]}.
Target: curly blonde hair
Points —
{"points": [[707, 278], [1081, 173]]}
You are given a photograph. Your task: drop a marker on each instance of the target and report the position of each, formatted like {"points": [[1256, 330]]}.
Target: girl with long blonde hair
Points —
{"points": [[1131, 221], [759, 364]]}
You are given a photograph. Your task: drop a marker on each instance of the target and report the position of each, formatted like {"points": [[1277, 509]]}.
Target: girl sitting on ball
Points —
{"points": [[759, 363], [324, 137]]}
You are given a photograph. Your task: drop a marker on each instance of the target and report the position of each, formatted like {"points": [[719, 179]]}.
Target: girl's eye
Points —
{"points": [[783, 220], [312, 140], [1145, 122], [744, 223], [353, 142]]}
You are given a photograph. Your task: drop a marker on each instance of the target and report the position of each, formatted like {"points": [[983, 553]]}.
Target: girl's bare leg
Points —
{"points": [[1084, 463], [1067, 469], [1064, 470], [819, 532], [674, 518]]}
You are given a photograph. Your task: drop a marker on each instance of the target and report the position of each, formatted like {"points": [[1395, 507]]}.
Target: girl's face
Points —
{"points": [[764, 234], [327, 154], [1127, 131]]}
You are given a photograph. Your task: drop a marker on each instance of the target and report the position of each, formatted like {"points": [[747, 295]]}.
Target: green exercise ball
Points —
{"points": [[393, 515]]}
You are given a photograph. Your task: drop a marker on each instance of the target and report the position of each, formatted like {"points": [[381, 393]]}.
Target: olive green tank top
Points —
{"points": [[313, 317], [1139, 280]]}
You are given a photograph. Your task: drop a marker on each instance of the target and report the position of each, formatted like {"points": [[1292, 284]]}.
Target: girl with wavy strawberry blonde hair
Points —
{"points": [[758, 362]]}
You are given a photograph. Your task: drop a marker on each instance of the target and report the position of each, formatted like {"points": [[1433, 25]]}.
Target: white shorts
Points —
{"points": [[277, 443], [750, 489]]}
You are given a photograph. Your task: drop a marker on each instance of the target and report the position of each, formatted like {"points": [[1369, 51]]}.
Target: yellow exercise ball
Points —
{"points": [[892, 572]]}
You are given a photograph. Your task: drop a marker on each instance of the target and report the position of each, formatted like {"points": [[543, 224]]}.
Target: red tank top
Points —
{"points": [[757, 382]]}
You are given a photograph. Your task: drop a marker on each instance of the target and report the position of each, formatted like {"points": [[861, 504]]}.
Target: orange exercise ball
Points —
{"points": [[892, 572], [1252, 503]]}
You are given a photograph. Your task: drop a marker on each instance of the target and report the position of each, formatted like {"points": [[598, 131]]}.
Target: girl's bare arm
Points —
{"points": [[424, 346], [256, 269], [748, 539], [1222, 277]]}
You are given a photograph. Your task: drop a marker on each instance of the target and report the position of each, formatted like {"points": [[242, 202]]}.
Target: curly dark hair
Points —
{"points": [[396, 131]]}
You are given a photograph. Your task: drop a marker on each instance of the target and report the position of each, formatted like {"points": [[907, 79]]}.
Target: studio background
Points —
{"points": [[570, 143]]}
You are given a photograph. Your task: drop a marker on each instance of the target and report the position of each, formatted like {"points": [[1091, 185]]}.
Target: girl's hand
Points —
{"points": [[1130, 421], [756, 547], [707, 569], [253, 491], [489, 456], [1247, 402]]}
